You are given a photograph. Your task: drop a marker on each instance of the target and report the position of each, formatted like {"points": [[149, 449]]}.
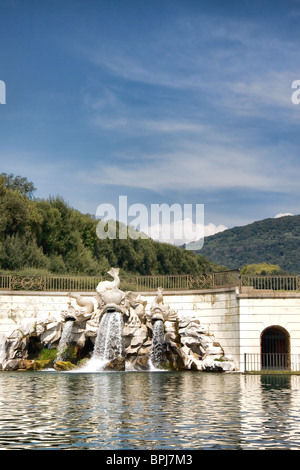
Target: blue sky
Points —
{"points": [[183, 102]]}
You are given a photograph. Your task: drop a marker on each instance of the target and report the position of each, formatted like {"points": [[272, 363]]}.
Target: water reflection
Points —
{"points": [[272, 418], [159, 410]]}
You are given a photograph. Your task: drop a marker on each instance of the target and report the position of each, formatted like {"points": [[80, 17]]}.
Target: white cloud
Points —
{"points": [[182, 231], [133, 126], [212, 229], [200, 166], [239, 68], [282, 214], [260, 95]]}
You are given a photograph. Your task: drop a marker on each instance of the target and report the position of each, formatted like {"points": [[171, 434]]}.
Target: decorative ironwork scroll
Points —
{"points": [[36, 283]]}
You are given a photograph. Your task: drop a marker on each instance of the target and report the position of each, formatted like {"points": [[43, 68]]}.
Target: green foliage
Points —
{"points": [[14, 212], [30, 272], [261, 269], [46, 354], [64, 365], [69, 354], [18, 183], [271, 241], [17, 252], [47, 235]]}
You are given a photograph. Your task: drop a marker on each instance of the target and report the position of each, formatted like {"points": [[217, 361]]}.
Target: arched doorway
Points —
{"points": [[275, 348]]}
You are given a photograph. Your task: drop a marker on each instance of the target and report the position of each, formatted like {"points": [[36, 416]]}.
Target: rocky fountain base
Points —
{"points": [[114, 331]]}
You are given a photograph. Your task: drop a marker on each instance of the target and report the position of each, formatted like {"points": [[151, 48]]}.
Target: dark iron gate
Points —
{"points": [[275, 353], [274, 349], [271, 362]]}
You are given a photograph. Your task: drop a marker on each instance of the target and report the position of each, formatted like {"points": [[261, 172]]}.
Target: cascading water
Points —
{"points": [[64, 340], [2, 348], [158, 346], [108, 343]]}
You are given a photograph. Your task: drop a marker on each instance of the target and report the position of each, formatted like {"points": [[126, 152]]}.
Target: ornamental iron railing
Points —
{"points": [[271, 362], [278, 283], [13, 282], [135, 283]]}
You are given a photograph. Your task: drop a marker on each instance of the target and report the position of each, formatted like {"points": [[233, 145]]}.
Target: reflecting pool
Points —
{"points": [[148, 410]]}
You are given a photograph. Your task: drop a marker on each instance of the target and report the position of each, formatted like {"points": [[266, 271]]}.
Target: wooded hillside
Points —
{"points": [[274, 241], [50, 236]]}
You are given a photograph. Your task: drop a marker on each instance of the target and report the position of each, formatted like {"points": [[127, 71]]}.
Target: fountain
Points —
{"points": [[159, 314], [114, 330], [157, 354], [108, 343], [65, 340]]}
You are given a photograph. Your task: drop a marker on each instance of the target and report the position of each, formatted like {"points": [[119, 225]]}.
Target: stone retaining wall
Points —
{"points": [[235, 319]]}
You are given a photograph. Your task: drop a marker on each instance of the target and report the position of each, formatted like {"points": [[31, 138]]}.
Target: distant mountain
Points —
{"points": [[274, 241]]}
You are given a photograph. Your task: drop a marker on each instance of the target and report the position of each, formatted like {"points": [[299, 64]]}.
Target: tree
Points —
{"points": [[49, 234], [261, 269], [17, 252], [14, 214], [18, 183]]}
